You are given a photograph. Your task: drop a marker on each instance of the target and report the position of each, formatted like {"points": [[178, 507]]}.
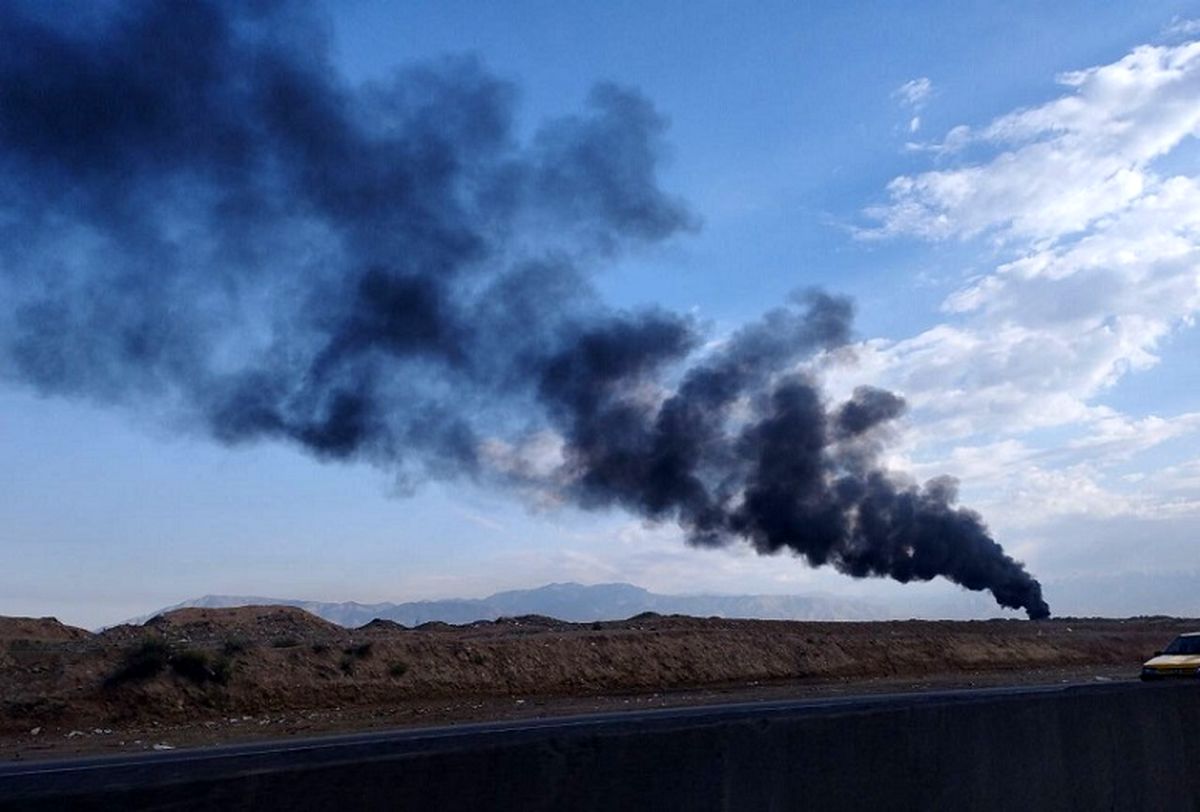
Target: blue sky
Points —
{"points": [[1009, 193]]}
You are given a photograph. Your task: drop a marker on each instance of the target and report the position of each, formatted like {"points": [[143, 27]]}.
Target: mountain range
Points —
{"points": [[1123, 595], [568, 601]]}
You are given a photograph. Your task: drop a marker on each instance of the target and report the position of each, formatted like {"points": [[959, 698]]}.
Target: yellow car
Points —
{"points": [[1180, 659]]}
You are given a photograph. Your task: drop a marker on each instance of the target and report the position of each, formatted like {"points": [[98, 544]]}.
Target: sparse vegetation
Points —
{"points": [[351, 655], [285, 642], [236, 645], [200, 667], [152, 656], [398, 668], [192, 665], [145, 660], [320, 648], [358, 652], [222, 670]]}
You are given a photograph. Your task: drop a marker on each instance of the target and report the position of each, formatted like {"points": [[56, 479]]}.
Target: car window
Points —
{"points": [[1184, 645]]}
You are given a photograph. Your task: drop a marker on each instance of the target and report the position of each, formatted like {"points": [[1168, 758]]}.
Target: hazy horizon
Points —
{"points": [[1112, 597]]}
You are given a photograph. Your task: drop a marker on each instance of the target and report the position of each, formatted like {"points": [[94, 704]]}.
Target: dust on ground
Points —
{"points": [[204, 676]]}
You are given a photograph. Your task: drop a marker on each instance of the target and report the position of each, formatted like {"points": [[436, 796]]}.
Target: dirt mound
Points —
{"points": [[257, 623], [435, 626], [380, 625], [39, 628], [534, 623]]}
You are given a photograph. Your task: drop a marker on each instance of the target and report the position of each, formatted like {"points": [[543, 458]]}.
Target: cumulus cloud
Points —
{"points": [[1097, 234], [1182, 27], [1062, 165]]}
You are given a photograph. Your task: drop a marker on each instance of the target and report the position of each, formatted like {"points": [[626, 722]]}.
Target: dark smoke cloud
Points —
{"points": [[786, 474], [198, 215], [869, 407]]}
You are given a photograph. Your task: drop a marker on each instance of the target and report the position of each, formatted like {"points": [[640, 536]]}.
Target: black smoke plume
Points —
{"points": [[199, 217]]}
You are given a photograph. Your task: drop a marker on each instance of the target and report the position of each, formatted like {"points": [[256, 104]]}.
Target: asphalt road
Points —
{"points": [[221, 763]]}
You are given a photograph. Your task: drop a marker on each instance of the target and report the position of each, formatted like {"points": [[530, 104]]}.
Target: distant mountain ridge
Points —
{"points": [[565, 601]]}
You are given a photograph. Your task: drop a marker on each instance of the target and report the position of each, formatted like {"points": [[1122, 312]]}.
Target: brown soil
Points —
{"points": [[212, 675], [39, 628]]}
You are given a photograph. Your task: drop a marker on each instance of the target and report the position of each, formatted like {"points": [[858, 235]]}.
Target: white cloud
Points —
{"points": [[912, 96], [1061, 165], [531, 465], [1121, 437], [1182, 27], [1047, 332], [1100, 263], [1176, 479], [914, 93]]}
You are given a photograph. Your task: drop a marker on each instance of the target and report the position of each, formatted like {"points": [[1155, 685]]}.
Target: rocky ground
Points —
{"points": [[200, 676]]}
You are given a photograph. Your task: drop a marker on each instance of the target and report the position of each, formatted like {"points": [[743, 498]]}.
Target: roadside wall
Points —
{"points": [[1124, 746]]}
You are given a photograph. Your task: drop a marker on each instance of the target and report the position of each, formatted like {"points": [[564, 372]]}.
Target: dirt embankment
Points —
{"points": [[217, 666], [38, 629]]}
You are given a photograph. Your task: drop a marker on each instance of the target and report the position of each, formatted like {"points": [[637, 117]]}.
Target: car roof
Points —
{"points": [[1190, 634]]}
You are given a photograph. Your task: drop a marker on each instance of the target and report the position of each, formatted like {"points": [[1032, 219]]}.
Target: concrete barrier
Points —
{"points": [[1121, 746]]}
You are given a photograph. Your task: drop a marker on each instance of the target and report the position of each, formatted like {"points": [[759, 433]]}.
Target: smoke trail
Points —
{"points": [[197, 214]]}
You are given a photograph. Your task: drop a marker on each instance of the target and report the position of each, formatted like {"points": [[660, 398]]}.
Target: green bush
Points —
{"points": [[285, 642], [398, 669], [199, 667], [320, 648], [143, 661], [235, 646], [359, 652], [153, 656], [222, 670]]}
